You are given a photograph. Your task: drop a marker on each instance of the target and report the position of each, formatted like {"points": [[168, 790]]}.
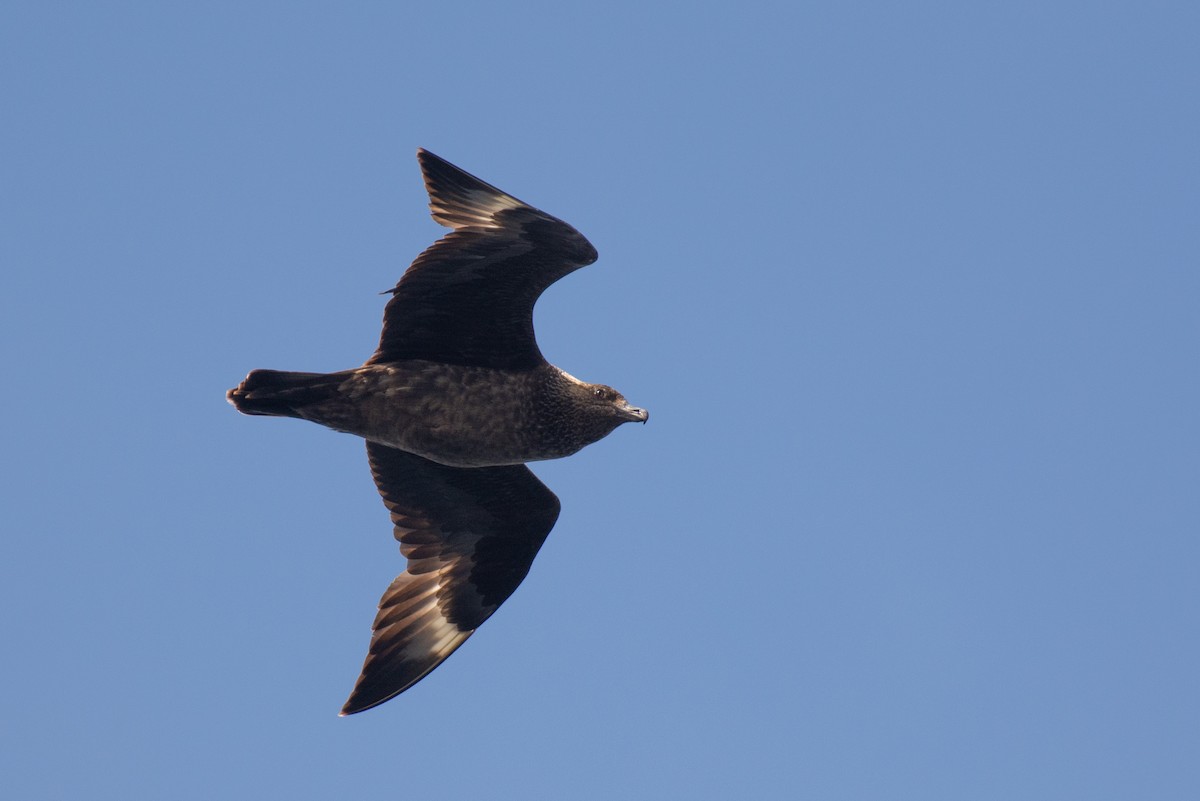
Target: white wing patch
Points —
{"points": [[470, 208]]}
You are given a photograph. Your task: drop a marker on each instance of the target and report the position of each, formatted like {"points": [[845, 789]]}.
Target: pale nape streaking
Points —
{"points": [[454, 402]]}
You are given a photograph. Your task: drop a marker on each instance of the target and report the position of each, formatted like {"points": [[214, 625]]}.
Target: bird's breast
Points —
{"points": [[455, 415]]}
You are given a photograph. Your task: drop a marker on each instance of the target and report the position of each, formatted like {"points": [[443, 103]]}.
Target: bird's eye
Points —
{"points": [[599, 393]]}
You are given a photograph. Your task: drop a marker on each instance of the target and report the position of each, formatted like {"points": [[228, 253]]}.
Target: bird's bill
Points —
{"points": [[632, 414]]}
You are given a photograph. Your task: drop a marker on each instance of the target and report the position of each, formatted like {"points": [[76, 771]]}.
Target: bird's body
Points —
{"points": [[452, 404], [455, 415]]}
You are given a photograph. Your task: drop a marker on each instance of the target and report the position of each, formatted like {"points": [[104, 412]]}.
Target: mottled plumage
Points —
{"points": [[452, 404]]}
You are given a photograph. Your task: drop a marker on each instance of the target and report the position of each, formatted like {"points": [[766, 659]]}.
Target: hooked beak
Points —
{"points": [[632, 414]]}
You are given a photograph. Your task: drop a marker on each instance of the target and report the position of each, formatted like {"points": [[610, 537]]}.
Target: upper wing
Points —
{"points": [[468, 299], [470, 535]]}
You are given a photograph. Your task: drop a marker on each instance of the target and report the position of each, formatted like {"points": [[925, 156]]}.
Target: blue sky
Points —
{"points": [[910, 290]]}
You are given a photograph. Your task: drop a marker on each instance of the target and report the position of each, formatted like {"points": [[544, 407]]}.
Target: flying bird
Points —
{"points": [[453, 403]]}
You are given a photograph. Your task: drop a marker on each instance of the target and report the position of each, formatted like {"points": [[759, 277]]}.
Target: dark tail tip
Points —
{"points": [[269, 392]]}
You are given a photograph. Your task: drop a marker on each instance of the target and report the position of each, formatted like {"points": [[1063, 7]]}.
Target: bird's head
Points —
{"points": [[603, 400], [589, 411]]}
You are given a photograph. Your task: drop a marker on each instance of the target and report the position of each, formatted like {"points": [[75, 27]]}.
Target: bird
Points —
{"points": [[453, 404]]}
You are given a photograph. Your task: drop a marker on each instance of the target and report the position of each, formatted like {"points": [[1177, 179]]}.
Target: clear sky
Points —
{"points": [[911, 290]]}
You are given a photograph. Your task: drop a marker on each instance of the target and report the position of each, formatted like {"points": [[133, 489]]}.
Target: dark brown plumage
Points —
{"points": [[452, 404]]}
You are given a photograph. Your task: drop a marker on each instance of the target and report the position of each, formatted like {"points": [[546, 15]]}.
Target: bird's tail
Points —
{"points": [[282, 394]]}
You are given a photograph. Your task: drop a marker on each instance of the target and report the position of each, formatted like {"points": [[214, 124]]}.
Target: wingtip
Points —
{"points": [[424, 155], [354, 704], [350, 708], [458, 199]]}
